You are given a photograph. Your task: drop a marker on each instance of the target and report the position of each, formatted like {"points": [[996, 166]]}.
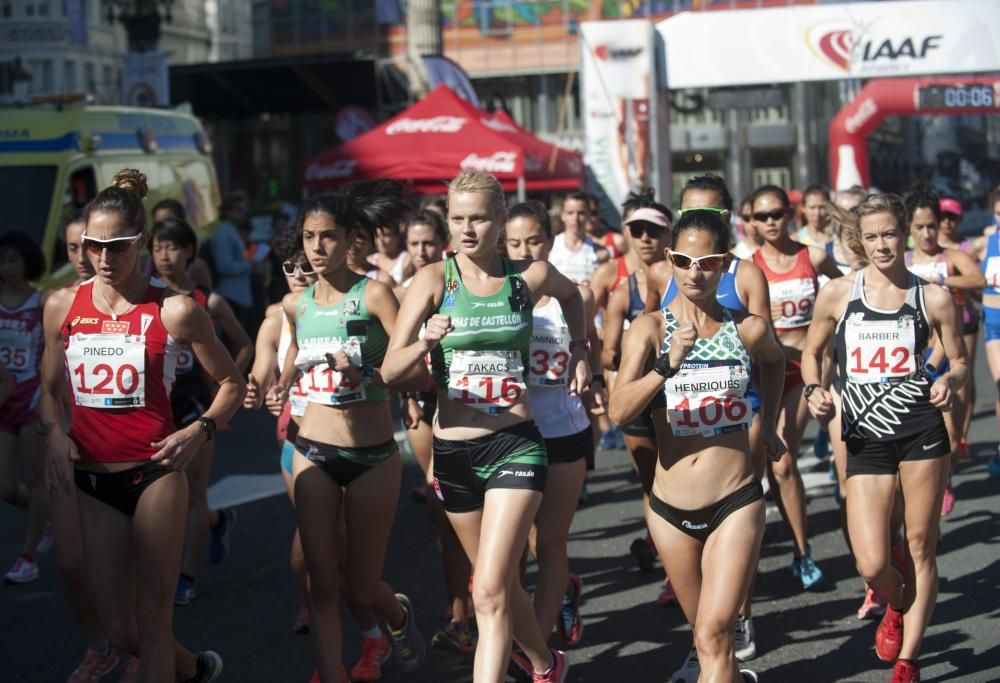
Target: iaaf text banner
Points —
{"points": [[616, 69], [829, 42]]}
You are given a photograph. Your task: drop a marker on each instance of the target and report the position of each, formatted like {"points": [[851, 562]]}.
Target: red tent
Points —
{"points": [[442, 134]]}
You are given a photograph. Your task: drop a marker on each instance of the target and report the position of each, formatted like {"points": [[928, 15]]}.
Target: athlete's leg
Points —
{"points": [[971, 348], [868, 519], [296, 559], [198, 470], [317, 509], [73, 568], [839, 448], [548, 539], [682, 557], [494, 538], [758, 458], [31, 446], [642, 450], [728, 561], [158, 539], [12, 491], [922, 483], [786, 480], [993, 360], [369, 510]]}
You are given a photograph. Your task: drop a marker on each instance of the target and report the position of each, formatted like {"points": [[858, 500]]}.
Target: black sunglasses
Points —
{"points": [[763, 216], [639, 228]]}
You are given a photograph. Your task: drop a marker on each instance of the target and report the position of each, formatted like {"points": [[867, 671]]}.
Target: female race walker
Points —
{"points": [[489, 457], [706, 505], [565, 425], [174, 245], [21, 262], [881, 319], [118, 343], [346, 459], [991, 312]]}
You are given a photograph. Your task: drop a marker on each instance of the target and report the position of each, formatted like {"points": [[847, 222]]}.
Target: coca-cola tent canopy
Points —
{"points": [[442, 134]]}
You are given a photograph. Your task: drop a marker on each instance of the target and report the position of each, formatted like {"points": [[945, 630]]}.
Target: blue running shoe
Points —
{"points": [[821, 446], [185, 591], [993, 466], [406, 642], [806, 571], [222, 537]]}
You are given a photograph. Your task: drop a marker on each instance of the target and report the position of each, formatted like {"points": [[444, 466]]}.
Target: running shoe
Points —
{"points": [[570, 624], [993, 466], [748, 676], [556, 672], [905, 671], [209, 667], [873, 606], [584, 493], [667, 596], [47, 540], [963, 449], [806, 570], [743, 639], [23, 571], [690, 670], [185, 591], [300, 624], [94, 666], [821, 446], [607, 440], [131, 673], [948, 502], [889, 635], [374, 652], [222, 536], [520, 668], [644, 552], [456, 636], [407, 643]]}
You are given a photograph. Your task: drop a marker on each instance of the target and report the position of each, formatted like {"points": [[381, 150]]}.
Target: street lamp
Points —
{"points": [[141, 19]]}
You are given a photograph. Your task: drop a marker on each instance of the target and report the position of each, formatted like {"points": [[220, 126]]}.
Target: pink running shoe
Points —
{"points": [[873, 606], [557, 673], [131, 674], [667, 596], [948, 502], [94, 666]]}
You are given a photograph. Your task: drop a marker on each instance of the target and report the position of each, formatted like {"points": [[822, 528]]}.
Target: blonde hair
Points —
{"points": [[874, 204], [482, 183]]}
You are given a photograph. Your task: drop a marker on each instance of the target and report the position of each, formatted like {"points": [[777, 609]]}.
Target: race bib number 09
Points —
{"points": [[108, 370], [792, 302], [708, 401], [549, 365], [879, 351], [327, 386], [489, 381]]}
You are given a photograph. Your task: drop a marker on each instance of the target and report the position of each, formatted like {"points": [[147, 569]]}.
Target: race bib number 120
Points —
{"points": [[489, 381], [108, 370]]}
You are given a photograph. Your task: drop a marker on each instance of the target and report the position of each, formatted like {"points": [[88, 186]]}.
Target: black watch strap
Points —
{"points": [[207, 426], [807, 392], [662, 366]]}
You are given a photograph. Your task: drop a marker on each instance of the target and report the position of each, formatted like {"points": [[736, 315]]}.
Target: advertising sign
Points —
{"points": [[144, 80], [830, 42]]}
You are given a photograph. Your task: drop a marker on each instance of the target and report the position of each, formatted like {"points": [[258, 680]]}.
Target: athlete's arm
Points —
{"points": [[752, 289], [543, 279], [829, 304], [222, 313], [599, 392], [600, 283], [278, 396], [824, 263], [382, 305], [614, 324], [768, 356], [405, 349], [637, 383], [60, 449], [943, 315], [619, 241], [264, 370], [189, 324], [657, 280], [968, 277]]}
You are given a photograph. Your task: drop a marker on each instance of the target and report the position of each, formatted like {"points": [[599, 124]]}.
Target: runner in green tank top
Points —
{"points": [[706, 508], [489, 458], [346, 458]]}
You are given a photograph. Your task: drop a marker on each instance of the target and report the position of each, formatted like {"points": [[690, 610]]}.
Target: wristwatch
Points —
{"points": [[207, 427], [810, 388], [367, 372], [662, 366]]}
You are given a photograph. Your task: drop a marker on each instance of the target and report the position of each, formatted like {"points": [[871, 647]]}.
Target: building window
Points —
{"points": [[5, 10], [69, 76], [89, 77], [43, 8], [109, 89], [41, 76]]}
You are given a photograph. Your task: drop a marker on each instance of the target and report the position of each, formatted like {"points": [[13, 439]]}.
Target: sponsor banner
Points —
{"points": [[337, 170], [144, 79], [616, 82], [498, 162], [829, 42], [436, 124]]}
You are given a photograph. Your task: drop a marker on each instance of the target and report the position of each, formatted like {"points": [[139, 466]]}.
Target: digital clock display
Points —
{"points": [[956, 97]]}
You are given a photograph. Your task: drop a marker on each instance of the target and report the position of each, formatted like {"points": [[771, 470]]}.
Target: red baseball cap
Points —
{"points": [[949, 205]]}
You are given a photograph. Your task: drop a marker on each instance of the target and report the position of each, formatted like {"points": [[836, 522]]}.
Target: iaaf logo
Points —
{"points": [[610, 52], [437, 124], [343, 168], [498, 162], [853, 49]]}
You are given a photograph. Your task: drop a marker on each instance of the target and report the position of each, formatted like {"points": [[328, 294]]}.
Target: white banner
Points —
{"points": [[829, 42], [144, 79], [616, 69]]}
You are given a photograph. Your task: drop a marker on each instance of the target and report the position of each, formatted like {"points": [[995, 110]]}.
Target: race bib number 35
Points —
{"points": [[327, 386], [108, 370], [708, 401], [879, 351], [15, 350], [489, 381], [792, 302]]}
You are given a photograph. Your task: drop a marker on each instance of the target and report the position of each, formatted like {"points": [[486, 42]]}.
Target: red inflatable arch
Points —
{"points": [[880, 98]]}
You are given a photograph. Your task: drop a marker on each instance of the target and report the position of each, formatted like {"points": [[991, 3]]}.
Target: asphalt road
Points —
{"points": [[246, 605]]}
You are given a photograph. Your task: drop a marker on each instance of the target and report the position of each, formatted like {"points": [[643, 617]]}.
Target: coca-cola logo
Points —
{"points": [[437, 124], [342, 168], [866, 109], [498, 162], [616, 52]]}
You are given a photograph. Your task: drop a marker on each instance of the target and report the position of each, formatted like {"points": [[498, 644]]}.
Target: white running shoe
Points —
{"points": [[690, 670], [743, 640], [23, 571]]}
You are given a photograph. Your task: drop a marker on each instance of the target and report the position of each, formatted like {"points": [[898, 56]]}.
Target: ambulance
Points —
{"points": [[57, 153]]}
